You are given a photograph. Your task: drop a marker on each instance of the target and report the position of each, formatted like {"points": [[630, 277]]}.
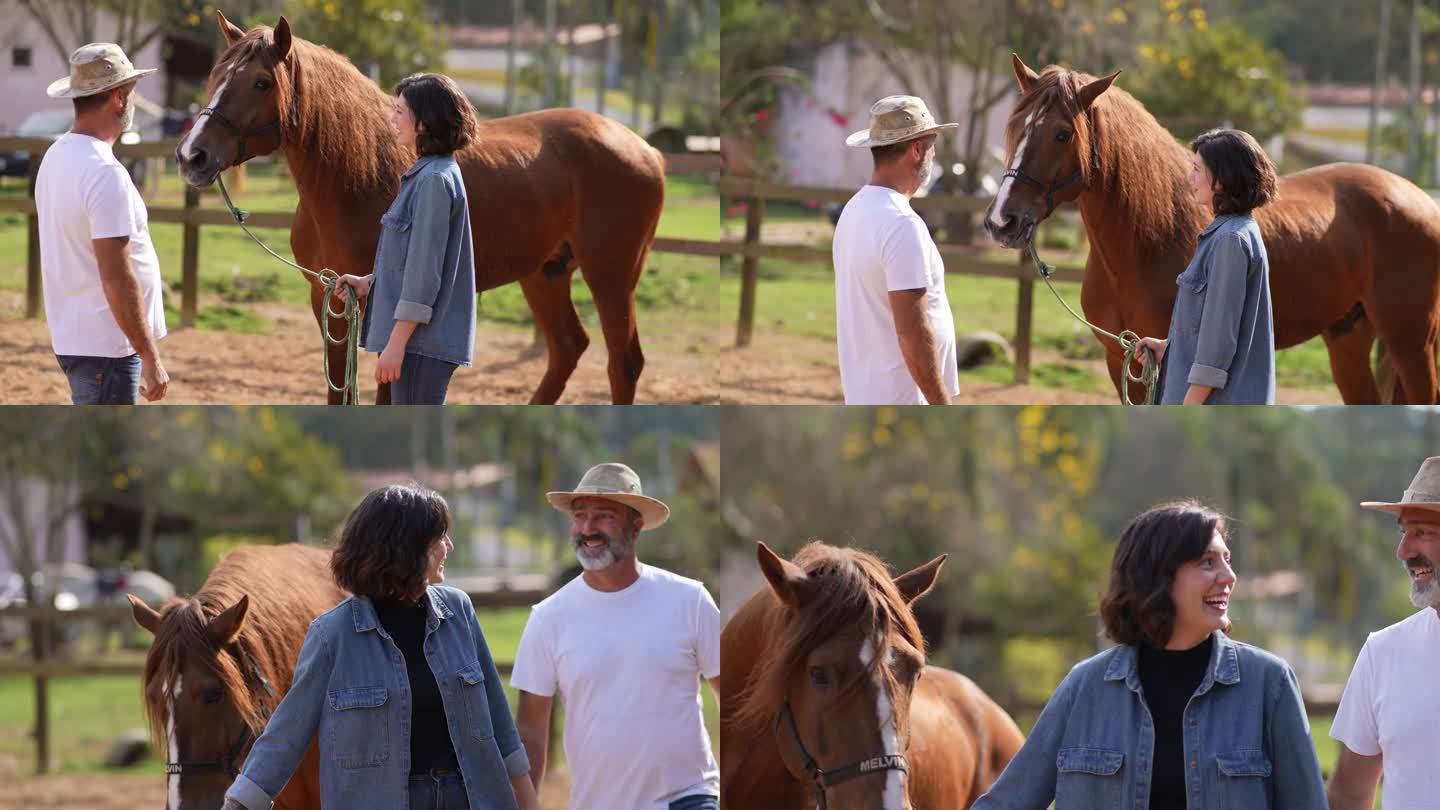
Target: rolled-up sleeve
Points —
{"points": [[425, 257], [1227, 279]]}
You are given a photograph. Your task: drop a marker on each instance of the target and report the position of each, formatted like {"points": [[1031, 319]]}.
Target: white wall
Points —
{"points": [[811, 146], [40, 501], [22, 90]]}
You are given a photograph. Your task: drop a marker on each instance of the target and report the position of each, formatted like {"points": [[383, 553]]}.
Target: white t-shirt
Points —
{"points": [[1391, 706], [82, 193], [881, 245], [627, 665]]}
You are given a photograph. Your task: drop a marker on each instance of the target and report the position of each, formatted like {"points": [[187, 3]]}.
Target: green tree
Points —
{"points": [[386, 39], [1198, 76]]}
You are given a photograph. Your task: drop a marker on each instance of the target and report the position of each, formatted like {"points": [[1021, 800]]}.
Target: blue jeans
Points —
{"points": [[700, 802], [438, 791], [101, 380], [423, 381]]}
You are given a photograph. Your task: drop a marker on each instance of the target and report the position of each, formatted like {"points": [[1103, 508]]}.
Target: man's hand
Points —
{"points": [[154, 380]]}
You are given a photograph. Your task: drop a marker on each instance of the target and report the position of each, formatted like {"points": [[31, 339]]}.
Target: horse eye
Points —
{"points": [[819, 677], [211, 696], [1063, 135], [262, 85]]}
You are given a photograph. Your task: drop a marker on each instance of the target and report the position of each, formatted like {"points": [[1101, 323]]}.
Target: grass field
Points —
{"points": [[235, 273], [86, 713]]}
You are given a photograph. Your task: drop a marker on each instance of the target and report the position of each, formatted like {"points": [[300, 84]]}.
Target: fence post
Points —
{"points": [[190, 260], [749, 272], [1024, 318], [32, 249], [41, 630]]}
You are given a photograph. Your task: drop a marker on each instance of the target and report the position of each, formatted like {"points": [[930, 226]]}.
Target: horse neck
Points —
{"points": [[1139, 236], [756, 770]]}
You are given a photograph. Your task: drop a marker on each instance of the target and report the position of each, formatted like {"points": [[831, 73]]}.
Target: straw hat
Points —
{"points": [[1423, 492], [95, 68], [614, 482], [894, 119]]}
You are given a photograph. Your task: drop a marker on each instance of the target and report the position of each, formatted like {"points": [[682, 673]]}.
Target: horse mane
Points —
{"points": [[1135, 153], [851, 591], [329, 108], [262, 637]]}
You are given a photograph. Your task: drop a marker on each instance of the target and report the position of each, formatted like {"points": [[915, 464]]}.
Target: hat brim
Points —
{"points": [[60, 88], [1396, 508], [862, 139], [653, 513]]}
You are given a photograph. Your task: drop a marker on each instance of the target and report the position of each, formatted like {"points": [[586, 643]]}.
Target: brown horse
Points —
{"points": [[822, 699], [222, 660], [1354, 250], [549, 191]]}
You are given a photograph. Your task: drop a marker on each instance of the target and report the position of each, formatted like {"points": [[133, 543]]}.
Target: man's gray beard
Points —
{"points": [[1427, 596], [615, 551], [127, 116], [927, 165]]}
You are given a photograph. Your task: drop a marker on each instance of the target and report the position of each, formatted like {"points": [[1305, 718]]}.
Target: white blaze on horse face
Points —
{"points": [[186, 152], [894, 796], [1003, 192], [172, 786]]}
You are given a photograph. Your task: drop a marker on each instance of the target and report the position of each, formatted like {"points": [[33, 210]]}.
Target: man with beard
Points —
{"points": [[1391, 705], [625, 644], [893, 324], [99, 268]]}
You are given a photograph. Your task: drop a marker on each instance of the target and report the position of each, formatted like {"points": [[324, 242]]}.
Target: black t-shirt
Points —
{"points": [[1170, 678], [430, 745]]}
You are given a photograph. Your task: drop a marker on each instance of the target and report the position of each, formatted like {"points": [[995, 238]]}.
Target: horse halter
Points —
{"points": [[229, 764], [825, 779], [235, 129], [1051, 189]]}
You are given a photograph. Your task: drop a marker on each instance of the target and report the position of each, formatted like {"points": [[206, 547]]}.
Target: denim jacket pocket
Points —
{"points": [[394, 242], [1189, 300], [359, 726], [1088, 778], [476, 701], [1243, 779]]}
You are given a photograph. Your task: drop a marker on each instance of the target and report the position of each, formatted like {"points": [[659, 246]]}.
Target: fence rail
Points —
{"points": [[193, 217], [45, 665], [959, 259]]}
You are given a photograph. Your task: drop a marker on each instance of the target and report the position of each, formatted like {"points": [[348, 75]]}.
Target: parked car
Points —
{"points": [[150, 124]]}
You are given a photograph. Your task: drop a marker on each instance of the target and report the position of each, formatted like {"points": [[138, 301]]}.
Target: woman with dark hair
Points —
{"points": [[1221, 345], [397, 681], [421, 311], [1177, 716]]}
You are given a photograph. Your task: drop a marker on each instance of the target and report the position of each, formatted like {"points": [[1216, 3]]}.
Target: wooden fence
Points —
{"points": [[45, 666], [959, 259], [193, 217]]}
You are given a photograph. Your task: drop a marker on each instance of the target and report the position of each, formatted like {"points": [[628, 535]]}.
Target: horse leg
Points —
{"points": [[1406, 322], [1348, 344], [335, 347], [612, 284], [548, 295]]}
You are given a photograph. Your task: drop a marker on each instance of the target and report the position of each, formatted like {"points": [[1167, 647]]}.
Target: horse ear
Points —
{"points": [[224, 628], [786, 578], [145, 616], [1024, 76], [282, 39], [917, 582], [231, 31], [1092, 91]]}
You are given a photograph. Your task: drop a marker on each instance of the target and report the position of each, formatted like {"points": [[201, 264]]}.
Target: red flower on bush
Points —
{"points": [[761, 116], [840, 120]]}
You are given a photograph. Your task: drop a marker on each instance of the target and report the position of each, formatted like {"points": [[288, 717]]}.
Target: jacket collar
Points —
{"points": [[362, 610], [425, 160], [1224, 667]]}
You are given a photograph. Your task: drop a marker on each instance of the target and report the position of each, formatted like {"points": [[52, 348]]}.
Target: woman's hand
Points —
{"points": [[360, 284], [388, 369], [1156, 345]]}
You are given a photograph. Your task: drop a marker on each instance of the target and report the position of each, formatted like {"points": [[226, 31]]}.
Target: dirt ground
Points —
{"points": [[133, 792], [688, 364]]}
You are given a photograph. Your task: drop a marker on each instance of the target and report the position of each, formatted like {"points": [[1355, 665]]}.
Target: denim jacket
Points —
{"points": [[1222, 330], [425, 266], [351, 687], [1247, 740]]}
